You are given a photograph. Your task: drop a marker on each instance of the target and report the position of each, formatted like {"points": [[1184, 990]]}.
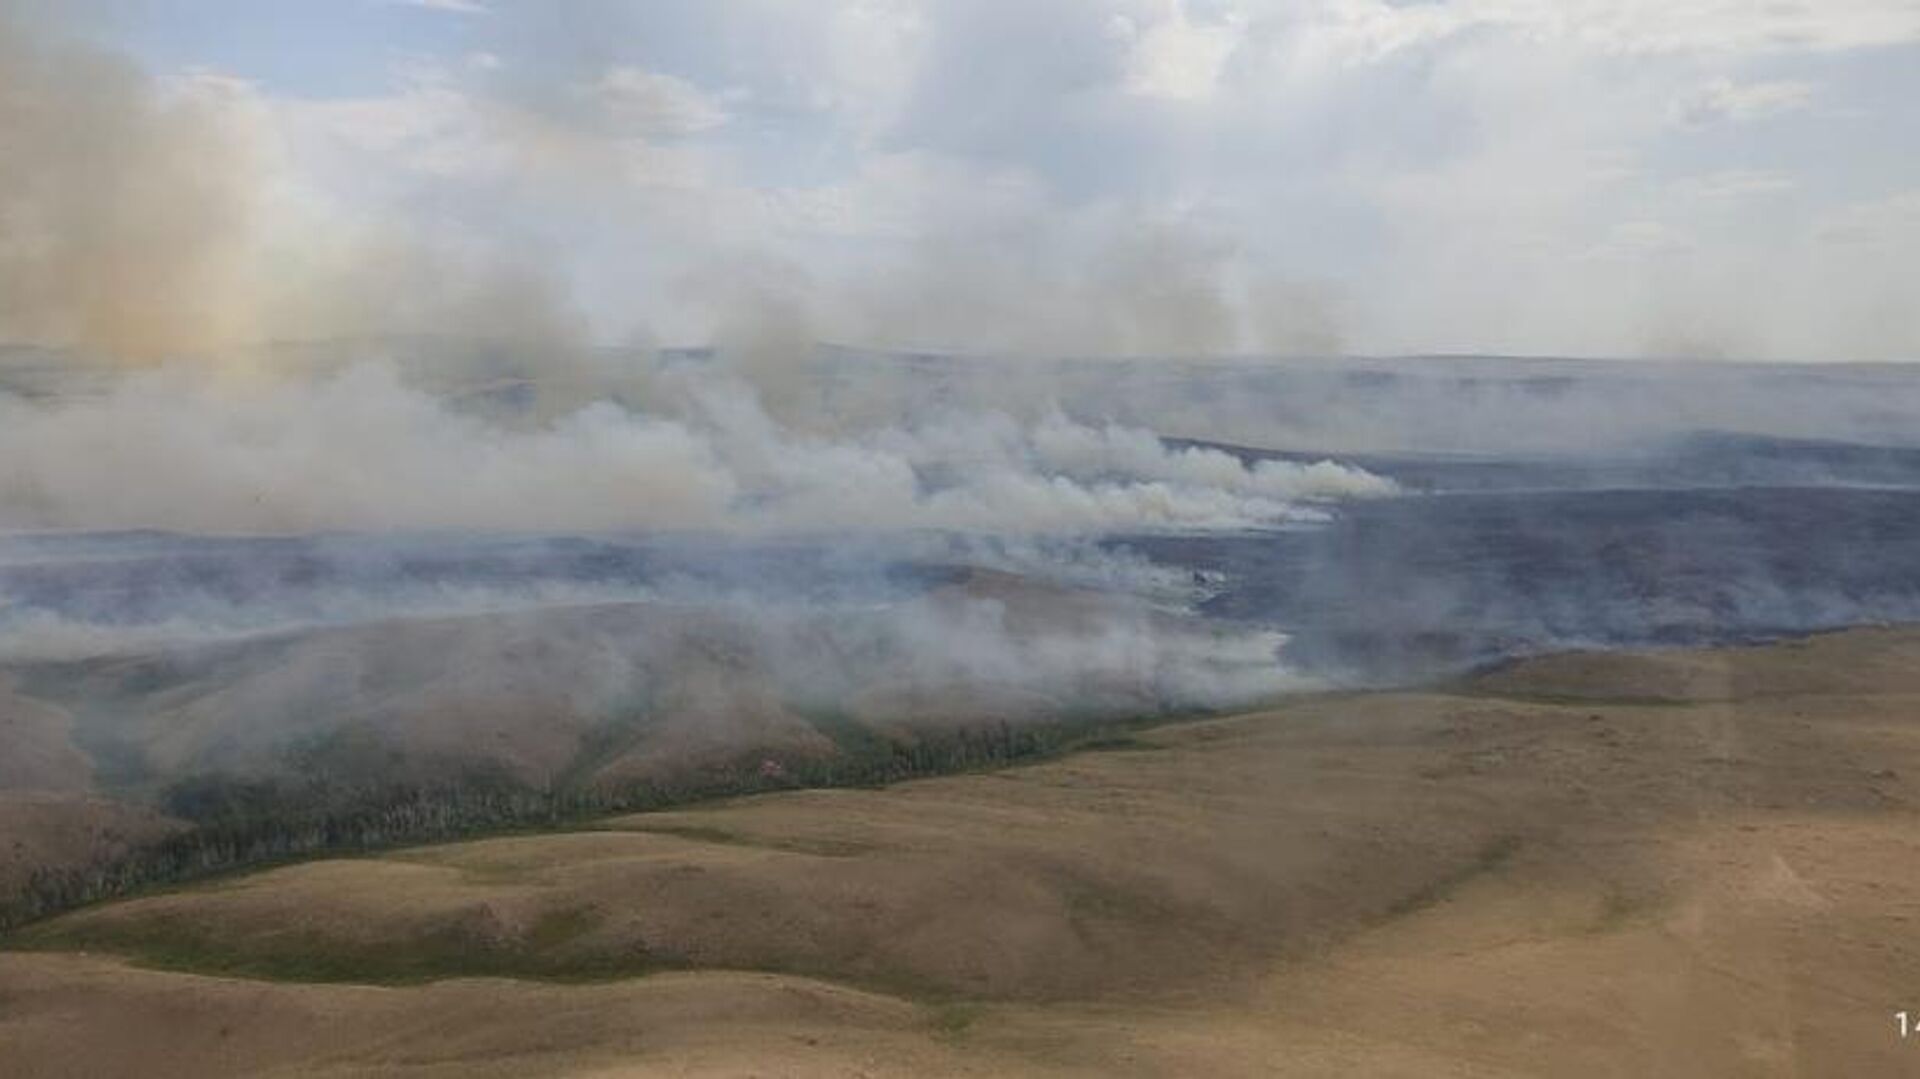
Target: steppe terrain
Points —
{"points": [[1682, 863]]}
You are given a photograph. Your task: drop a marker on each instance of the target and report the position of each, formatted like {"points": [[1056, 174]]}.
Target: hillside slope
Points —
{"points": [[1576, 867]]}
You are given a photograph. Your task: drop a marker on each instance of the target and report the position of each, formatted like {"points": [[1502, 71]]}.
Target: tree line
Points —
{"points": [[236, 823]]}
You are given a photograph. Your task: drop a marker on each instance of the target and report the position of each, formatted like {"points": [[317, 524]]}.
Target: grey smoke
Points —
{"points": [[361, 449]]}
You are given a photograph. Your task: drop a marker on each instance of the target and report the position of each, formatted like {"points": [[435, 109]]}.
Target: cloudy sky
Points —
{"points": [[1633, 177]]}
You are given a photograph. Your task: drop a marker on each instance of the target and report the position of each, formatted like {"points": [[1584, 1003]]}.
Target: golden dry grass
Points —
{"points": [[1521, 877]]}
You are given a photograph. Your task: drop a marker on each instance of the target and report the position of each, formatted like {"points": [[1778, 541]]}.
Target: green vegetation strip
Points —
{"points": [[243, 824]]}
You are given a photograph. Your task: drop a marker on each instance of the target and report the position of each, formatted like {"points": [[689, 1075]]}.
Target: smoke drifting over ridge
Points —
{"points": [[157, 269], [445, 380], [359, 449], [157, 228], [146, 225], [318, 496], [345, 495]]}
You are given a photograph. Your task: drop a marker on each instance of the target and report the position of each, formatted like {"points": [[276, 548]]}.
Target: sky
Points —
{"points": [[1715, 178]]}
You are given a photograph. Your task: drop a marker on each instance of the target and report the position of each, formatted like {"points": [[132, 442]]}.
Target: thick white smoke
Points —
{"points": [[361, 449], [170, 227]]}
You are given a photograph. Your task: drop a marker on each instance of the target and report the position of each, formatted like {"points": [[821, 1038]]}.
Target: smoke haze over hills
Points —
{"points": [[658, 398]]}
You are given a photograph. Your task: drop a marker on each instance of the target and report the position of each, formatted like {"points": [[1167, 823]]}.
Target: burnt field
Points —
{"points": [[1477, 562], [1401, 589]]}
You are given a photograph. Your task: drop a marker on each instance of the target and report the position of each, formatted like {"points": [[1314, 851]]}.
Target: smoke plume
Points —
{"points": [[360, 449], [126, 208]]}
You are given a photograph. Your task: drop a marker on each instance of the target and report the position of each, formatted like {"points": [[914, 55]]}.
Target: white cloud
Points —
{"points": [[428, 125], [649, 104], [1374, 28], [1179, 57], [1723, 100], [453, 7], [1640, 240], [1732, 186], [1891, 223], [1086, 175]]}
